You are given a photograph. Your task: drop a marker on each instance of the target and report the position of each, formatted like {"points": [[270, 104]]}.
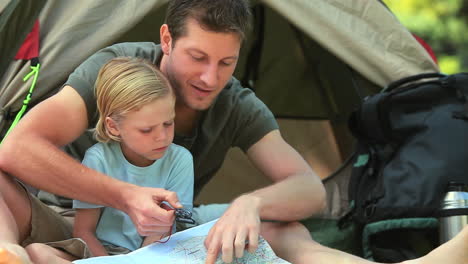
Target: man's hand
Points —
{"points": [[145, 208], [238, 225]]}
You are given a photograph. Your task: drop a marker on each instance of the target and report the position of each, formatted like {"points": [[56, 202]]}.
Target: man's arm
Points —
{"points": [[297, 193], [31, 153]]}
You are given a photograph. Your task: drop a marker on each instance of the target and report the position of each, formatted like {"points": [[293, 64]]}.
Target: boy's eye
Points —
{"points": [[168, 124], [197, 58], [226, 63], [145, 131]]}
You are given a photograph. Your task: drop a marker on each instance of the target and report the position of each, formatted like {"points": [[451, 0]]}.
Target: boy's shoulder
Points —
{"points": [[177, 150], [177, 153], [103, 149]]}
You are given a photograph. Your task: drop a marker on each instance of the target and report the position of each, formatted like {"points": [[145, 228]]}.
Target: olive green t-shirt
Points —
{"points": [[237, 118]]}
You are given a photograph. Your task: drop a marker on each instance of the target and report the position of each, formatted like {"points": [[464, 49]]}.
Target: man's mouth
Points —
{"points": [[202, 91]]}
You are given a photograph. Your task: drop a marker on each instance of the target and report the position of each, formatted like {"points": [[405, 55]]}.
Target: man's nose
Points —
{"points": [[210, 75]]}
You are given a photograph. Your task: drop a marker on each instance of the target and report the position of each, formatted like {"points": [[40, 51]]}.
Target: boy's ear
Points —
{"points": [[112, 127], [166, 39]]}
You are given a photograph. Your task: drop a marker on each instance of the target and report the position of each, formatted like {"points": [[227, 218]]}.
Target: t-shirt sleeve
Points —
{"points": [[91, 160], [181, 177], [251, 120], [85, 75]]}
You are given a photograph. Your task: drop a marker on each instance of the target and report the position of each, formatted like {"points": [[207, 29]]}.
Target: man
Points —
{"points": [[200, 45]]}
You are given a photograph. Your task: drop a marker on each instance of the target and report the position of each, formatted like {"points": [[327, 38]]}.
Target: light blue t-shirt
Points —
{"points": [[174, 172]]}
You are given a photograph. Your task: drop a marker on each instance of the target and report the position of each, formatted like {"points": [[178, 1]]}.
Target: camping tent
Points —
{"points": [[310, 61]]}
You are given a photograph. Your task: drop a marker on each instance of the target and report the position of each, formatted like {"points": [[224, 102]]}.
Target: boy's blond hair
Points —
{"points": [[126, 84]]}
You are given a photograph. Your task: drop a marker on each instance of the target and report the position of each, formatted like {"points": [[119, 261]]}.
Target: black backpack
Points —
{"points": [[412, 140]]}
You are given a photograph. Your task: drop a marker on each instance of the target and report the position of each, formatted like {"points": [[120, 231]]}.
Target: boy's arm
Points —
{"points": [[85, 228]]}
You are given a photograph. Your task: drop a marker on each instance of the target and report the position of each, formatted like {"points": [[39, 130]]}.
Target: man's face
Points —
{"points": [[199, 64]]}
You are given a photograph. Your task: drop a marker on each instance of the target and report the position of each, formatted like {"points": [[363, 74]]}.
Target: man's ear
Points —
{"points": [[112, 127], [166, 39]]}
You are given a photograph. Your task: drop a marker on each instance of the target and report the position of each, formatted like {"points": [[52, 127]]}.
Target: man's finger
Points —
{"points": [[239, 243], [227, 247], [170, 197], [253, 242], [209, 237], [212, 250], [161, 215]]}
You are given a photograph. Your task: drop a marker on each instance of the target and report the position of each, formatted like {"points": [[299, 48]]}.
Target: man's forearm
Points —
{"points": [[297, 197], [46, 167]]}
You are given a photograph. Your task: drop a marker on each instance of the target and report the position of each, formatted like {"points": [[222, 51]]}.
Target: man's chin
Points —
{"points": [[199, 106]]}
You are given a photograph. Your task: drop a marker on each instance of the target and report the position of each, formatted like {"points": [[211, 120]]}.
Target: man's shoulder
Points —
{"points": [[146, 49], [235, 97], [234, 87], [234, 91]]}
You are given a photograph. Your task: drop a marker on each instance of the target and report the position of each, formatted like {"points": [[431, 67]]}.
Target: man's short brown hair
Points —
{"points": [[224, 16]]}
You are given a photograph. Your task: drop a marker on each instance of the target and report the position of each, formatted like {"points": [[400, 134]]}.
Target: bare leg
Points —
{"points": [[454, 251], [293, 243], [15, 216], [43, 254]]}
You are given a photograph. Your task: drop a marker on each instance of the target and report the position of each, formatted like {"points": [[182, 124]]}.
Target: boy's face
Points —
{"points": [[146, 133], [199, 64]]}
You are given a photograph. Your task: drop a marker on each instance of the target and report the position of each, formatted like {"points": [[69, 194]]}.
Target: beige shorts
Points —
{"points": [[51, 228], [46, 224], [80, 250]]}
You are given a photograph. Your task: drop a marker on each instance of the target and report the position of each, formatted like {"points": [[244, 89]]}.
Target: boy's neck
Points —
{"points": [[186, 120]]}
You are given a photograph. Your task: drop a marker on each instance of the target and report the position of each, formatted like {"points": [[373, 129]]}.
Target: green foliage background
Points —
{"points": [[443, 24]]}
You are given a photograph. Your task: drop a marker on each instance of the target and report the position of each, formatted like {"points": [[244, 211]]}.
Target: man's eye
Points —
{"points": [[168, 124], [145, 131]]}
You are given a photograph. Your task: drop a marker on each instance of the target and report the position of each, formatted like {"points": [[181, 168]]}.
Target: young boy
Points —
{"points": [[135, 132]]}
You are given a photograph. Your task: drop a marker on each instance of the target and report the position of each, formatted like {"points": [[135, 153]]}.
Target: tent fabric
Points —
{"points": [[17, 18], [362, 33], [70, 32]]}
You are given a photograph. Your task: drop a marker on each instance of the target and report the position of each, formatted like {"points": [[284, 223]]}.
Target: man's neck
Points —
{"points": [[186, 120]]}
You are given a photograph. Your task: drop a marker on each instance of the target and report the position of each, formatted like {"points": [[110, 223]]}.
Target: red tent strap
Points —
{"points": [[427, 47], [30, 47]]}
